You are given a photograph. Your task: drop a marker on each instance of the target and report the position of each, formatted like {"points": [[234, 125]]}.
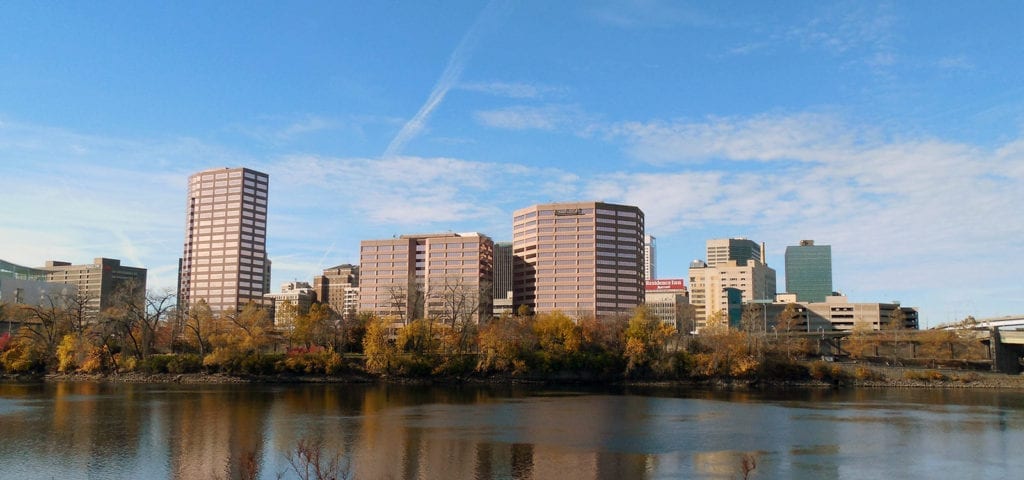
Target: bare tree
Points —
{"points": [[310, 462], [199, 322]]}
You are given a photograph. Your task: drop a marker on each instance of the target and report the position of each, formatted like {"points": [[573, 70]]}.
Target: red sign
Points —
{"points": [[666, 284]]}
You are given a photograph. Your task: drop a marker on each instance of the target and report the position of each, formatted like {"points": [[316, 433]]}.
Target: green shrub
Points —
{"points": [[777, 368], [260, 365], [323, 363], [414, 365], [187, 363], [156, 364]]}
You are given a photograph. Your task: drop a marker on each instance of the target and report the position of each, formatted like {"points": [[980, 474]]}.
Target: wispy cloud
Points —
{"points": [[523, 117], [756, 138], [904, 208], [513, 89], [449, 77]]}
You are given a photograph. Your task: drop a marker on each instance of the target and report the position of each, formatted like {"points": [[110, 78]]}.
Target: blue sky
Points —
{"points": [[891, 131]]}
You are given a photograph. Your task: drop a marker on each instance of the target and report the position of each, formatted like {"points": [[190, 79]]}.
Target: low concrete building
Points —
{"points": [[839, 314]]}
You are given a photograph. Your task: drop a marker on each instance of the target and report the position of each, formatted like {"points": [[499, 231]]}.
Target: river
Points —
{"points": [[71, 430]]}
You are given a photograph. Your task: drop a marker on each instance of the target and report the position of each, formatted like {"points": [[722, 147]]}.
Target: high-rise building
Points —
{"points": [[100, 281], [580, 258], [650, 258], [738, 267], [503, 278], [225, 259], [446, 276], [809, 271], [338, 288], [740, 250]]}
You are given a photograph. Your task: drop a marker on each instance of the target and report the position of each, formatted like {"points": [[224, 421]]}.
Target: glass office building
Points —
{"points": [[809, 271]]}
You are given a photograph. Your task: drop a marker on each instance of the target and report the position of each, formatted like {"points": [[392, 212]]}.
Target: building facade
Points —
{"points": [[225, 259], [100, 282], [25, 286], [650, 258], [503, 278], [667, 299], [739, 250], [294, 299], [738, 265], [581, 258], [809, 271], [448, 277], [338, 288], [838, 313]]}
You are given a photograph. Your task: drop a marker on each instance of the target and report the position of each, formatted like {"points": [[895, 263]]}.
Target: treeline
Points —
{"points": [[151, 336]]}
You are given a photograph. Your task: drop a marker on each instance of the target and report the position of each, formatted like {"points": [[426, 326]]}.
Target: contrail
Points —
{"points": [[448, 79]]}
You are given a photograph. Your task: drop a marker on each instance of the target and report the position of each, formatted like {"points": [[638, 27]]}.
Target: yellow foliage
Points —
{"points": [[557, 334], [21, 356], [67, 354], [379, 352]]}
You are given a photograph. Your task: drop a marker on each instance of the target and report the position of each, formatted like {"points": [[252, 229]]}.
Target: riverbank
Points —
{"points": [[844, 376]]}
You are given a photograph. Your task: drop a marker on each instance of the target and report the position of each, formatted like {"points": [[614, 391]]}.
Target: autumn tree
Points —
{"points": [[504, 344], [558, 338], [646, 336], [46, 325], [377, 347]]}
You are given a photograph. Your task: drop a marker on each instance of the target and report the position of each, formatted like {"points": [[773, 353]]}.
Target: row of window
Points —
{"points": [[261, 223], [386, 256]]}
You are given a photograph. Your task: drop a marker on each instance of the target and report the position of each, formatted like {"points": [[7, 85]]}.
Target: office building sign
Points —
{"points": [[665, 284]]}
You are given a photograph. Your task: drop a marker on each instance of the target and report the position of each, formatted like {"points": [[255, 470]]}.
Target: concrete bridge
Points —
{"points": [[1007, 347], [1005, 340]]}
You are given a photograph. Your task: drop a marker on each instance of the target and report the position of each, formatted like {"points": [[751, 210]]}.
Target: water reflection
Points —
{"points": [[94, 430]]}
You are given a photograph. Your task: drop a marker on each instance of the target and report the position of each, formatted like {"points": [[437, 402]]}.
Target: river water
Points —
{"points": [[113, 431]]}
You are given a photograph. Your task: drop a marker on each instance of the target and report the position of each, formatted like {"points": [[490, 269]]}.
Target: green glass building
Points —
{"points": [[809, 271]]}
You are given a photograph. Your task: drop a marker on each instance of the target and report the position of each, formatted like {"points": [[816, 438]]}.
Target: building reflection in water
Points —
{"points": [[105, 431]]}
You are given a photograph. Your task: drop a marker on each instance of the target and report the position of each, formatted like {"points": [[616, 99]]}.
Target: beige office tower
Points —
{"points": [[733, 264], [585, 259], [446, 277], [225, 260]]}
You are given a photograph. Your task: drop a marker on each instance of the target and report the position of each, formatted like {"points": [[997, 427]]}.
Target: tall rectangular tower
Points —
{"points": [[809, 271], [650, 258], [225, 258], [581, 258]]}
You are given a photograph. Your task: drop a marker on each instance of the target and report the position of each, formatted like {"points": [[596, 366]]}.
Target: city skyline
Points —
{"points": [[892, 134]]}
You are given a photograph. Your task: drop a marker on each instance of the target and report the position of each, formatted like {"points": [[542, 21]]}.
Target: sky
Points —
{"points": [[892, 131]]}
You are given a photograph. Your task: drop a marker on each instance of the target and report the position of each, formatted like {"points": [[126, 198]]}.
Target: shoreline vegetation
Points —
{"points": [[840, 375], [153, 343]]}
